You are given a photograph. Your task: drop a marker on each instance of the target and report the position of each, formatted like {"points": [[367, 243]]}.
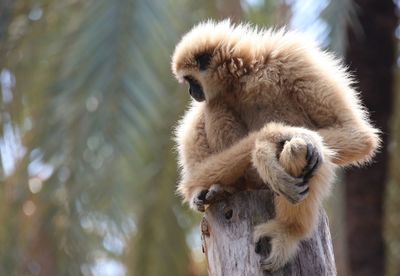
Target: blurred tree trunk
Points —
{"points": [[41, 251], [227, 235], [392, 198], [371, 56], [6, 12]]}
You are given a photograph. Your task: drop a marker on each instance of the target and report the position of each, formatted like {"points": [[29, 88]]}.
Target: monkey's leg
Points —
{"points": [[294, 222]]}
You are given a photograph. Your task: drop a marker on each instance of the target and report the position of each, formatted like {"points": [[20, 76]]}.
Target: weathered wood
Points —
{"points": [[227, 239]]}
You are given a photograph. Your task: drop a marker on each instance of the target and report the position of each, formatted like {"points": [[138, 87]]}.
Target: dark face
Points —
{"points": [[195, 89]]}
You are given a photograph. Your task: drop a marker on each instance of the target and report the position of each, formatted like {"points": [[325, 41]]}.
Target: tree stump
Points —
{"points": [[228, 240]]}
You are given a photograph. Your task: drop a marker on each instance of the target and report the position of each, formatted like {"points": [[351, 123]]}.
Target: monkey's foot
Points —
{"points": [[283, 246], [215, 193]]}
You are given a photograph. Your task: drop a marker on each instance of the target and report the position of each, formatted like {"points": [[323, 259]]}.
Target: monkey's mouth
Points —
{"points": [[195, 89], [196, 94]]}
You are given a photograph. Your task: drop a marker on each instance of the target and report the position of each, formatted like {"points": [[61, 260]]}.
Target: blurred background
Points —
{"points": [[88, 104]]}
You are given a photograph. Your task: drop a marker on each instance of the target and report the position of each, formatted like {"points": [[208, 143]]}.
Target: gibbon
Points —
{"points": [[270, 109]]}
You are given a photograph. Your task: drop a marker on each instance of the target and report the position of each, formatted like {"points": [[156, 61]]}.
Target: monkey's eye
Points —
{"points": [[203, 60], [195, 89]]}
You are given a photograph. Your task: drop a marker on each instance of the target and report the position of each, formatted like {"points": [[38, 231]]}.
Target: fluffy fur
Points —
{"points": [[278, 111]]}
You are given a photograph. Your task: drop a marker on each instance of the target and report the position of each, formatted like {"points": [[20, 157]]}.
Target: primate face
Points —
{"points": [[195, 89]]}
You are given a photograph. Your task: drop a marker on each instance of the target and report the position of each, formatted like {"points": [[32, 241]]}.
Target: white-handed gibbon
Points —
{"points": [[270, 108]]}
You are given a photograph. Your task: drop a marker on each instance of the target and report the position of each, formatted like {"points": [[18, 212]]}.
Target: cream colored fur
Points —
{"points": [[263, 88], [293, 222]]}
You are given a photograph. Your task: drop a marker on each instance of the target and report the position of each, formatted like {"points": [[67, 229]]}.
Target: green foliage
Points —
{"points": [[277, 11], [93, 105]]}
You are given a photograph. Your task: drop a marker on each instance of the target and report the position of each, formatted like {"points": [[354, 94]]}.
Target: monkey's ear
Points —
{"points": [[203, 60]]}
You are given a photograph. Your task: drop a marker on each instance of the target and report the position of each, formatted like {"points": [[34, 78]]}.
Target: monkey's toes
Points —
{"points": [[266, 264], [263, 246], [274, 261], [269, 264], [313, 161]]}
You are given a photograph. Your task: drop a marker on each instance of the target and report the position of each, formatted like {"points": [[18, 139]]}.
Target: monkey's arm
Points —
{"points": [[200, 168], [266, 154], [260, 149], [323, 89], [314, 82]]}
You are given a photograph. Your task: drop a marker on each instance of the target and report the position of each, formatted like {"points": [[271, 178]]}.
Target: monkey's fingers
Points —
{"points": [[199, 200], [313, 161], [216, 193], [295, 198], [295, 189]]}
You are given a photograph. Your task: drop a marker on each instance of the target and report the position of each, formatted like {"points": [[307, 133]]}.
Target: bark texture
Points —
{"points": [[228, 240], [371, 56]]}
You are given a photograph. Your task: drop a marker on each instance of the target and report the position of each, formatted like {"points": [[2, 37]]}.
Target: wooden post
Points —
{"points": [[228, 241]]}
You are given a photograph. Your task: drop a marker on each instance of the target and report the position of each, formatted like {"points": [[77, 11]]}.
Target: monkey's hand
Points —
{"points": [[287, 158], [201, 197], [300, 158]]}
